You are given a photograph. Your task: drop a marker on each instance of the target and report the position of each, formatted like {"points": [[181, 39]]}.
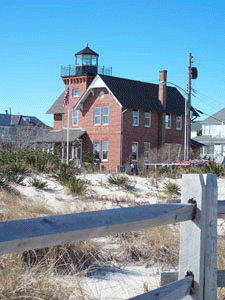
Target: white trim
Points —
{"points": [[96, 83]]}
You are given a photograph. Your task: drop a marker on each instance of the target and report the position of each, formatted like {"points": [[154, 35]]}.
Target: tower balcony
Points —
{"points": [[76, 70]]}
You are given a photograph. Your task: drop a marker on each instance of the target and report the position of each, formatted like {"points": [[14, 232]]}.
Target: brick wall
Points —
{"points": [[156, 134], [110, 132]]}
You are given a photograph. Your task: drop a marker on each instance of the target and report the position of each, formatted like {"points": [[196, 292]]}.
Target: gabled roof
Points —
{"points": [[215, 119], [139, 95], [57, 106], [15, 120]]}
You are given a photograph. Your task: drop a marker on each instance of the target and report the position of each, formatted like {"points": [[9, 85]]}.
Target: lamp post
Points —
{"points": [[186, 132]]}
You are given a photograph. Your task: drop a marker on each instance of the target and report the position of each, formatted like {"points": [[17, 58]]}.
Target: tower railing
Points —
{"points": [[74, 70]]}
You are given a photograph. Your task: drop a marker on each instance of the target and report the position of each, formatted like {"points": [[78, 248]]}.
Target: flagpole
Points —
{"points": [[68, 129]]}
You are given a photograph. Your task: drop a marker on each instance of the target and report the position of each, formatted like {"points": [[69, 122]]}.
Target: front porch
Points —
{"points": [[56, 141]]}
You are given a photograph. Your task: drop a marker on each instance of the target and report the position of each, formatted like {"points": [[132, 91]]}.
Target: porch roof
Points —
{"points": [[60, 136]]}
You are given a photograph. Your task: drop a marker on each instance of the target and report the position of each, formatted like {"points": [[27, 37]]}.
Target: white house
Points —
{"points": [[213, 136]]}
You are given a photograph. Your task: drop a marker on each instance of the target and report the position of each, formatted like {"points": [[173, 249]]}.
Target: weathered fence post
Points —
{"points": [[198, 238]]}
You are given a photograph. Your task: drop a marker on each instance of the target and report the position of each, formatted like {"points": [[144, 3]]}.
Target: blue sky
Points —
{"points": [[135, 38]]}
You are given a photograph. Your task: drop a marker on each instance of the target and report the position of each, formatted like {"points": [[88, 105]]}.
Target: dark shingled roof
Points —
{"points": [[88, 51], [216, 119], [59, 136], [143, 95], [57, 106], [137, 95]]}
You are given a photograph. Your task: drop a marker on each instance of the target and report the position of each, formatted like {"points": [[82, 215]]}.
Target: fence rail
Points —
{"points": [[197, 214]]}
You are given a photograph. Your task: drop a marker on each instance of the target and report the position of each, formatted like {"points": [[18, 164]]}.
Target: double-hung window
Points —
{"points": [[104, 150], [147, 150], [168, 121], [105, 115], [96, 147], [97, 115], [147, 119], [135, 151], [135, 121], [75, 117], [179, 122]]}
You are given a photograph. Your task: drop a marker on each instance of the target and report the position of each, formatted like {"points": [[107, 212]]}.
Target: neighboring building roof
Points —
{"points": [[196, 144], [209, 140], [59, 136], [215, 119], [87, 50], [57, 106], [15, 120], [196, 125]]}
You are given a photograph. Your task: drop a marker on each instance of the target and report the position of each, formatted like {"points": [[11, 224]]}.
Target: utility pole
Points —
{"points": [[187, 139]]}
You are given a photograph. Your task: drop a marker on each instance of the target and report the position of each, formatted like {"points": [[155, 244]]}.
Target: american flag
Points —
{"points": [[66, 97]]}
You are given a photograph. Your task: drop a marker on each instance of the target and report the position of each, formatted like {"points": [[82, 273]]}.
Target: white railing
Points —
{"points": [[197, 277]]}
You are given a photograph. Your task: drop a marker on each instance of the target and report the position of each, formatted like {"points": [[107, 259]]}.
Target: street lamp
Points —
{"points": [[187, 136]]}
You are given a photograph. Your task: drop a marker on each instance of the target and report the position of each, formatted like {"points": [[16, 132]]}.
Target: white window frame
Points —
{"points": [[96, 150], [134, 118], [63, 120], [75, 117], [148, 118], [97, 115], [148, 151], [179, 122], [168, 122], [75, 93], [105, 117], [136, 151], [105, 150]]}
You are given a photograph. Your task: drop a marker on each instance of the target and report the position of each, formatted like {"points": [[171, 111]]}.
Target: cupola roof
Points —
{"points": [[87, 50]]}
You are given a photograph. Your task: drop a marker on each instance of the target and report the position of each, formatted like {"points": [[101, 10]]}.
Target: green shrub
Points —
{"points": [[88, 157], [37, 183], [4, 184], [172, 188], [76, 186], [16, 178], [119, 180], [64, 173]]}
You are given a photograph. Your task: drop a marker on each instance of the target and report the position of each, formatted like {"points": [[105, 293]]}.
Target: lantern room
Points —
{"points": [[86, 62]]}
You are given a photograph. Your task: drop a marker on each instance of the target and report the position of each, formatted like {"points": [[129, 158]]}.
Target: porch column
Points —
{"points": [[73, 151], [63, 151], [48, 148], [35, 146], [53, 147], [43, 147], [81, 152]]}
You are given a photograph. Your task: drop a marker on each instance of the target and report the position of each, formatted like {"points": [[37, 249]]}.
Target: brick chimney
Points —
{"points": [[162, 87]]}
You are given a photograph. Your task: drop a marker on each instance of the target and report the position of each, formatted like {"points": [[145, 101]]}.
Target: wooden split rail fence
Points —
{"points": [[198, 211]]}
